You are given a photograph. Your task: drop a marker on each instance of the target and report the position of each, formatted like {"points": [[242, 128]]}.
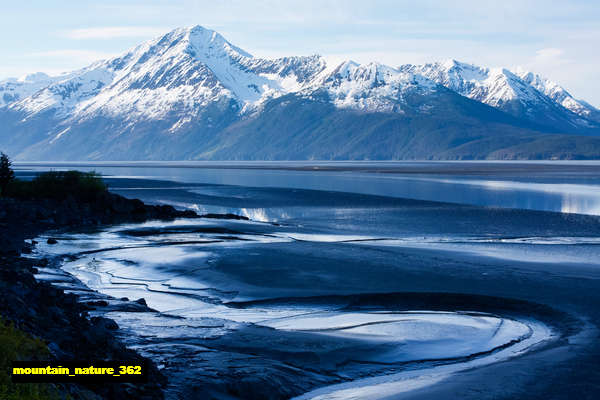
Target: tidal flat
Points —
{"points": [[330, 292]]}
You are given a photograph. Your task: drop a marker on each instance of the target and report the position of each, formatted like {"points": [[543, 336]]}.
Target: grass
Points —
{"points": [[16, 345]]}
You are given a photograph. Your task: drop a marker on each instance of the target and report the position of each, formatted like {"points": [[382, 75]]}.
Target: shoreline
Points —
{"points": [[48, 313], [409, 167]]}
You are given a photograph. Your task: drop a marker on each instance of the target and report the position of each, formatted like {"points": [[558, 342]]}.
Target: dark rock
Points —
{"points": [[56, 351], [97, 303], [187, 214], [52, 241], [128, 307], [225, 216], [141, 301], [104, 323]]}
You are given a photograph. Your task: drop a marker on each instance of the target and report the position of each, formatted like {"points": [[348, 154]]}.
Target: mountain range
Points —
{"points": [[192, 95]]}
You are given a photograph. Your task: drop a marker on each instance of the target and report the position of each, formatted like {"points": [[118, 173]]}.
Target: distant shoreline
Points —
{"points": [[471, 167]]}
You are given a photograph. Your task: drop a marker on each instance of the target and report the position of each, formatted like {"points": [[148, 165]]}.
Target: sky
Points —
{"points": [[558, 40]]}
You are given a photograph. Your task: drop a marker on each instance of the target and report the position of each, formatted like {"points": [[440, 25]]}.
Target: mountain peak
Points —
{"points": [[208, 40], [199, 28], [450, 63]]}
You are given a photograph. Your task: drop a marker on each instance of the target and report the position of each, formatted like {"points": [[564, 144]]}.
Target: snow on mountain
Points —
{"points": [[524, 96], [558, 94], [13, 89], [189, 69], [184, 70], [490, 86], [370, 87], [65, 93], [494, 87]]}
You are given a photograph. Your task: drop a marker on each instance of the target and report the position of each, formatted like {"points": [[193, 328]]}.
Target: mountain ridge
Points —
{"points": [[188, 93]]}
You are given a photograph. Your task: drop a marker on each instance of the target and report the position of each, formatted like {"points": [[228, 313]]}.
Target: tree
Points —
{"points": [[6, 172]]}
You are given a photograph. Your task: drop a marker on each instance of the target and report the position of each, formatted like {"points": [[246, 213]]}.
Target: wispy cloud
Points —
{"points": [[551, 60], [112, 32], [549, 53]]}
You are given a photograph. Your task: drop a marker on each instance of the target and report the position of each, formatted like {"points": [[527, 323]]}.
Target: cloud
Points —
{"points": [[113, 32], [550, 53], [550, 60]]}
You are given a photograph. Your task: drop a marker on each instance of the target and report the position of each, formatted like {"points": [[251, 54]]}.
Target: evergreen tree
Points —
{"points": [[6, 172]]}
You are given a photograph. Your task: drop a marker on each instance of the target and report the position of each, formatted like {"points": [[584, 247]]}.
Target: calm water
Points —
{"points": [[571, 187]]}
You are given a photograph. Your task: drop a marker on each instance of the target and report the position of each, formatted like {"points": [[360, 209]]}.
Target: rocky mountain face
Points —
{"points": [[191, 94]]}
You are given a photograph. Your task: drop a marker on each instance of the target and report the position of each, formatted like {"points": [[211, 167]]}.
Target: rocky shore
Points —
{"points": [[47, 313]]}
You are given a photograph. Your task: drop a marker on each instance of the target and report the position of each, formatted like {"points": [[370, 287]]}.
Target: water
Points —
{"points": [[309, 296], [570, 187]]}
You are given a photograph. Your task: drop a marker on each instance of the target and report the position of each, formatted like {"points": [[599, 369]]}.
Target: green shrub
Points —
{"points": [[15, 345], [59, 185], [7, 174]]}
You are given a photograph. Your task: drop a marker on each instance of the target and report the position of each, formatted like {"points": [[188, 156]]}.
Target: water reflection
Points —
{"points": [[580, 205], [567, 191]]}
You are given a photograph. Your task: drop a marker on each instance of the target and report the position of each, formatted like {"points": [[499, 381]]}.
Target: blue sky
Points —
{"points": [[559, 40]]}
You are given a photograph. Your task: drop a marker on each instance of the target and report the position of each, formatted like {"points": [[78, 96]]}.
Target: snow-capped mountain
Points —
{"points": [[371, 87], [559, 95], [191, 94], [521, 94], [13, 89], [189, 69]]}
